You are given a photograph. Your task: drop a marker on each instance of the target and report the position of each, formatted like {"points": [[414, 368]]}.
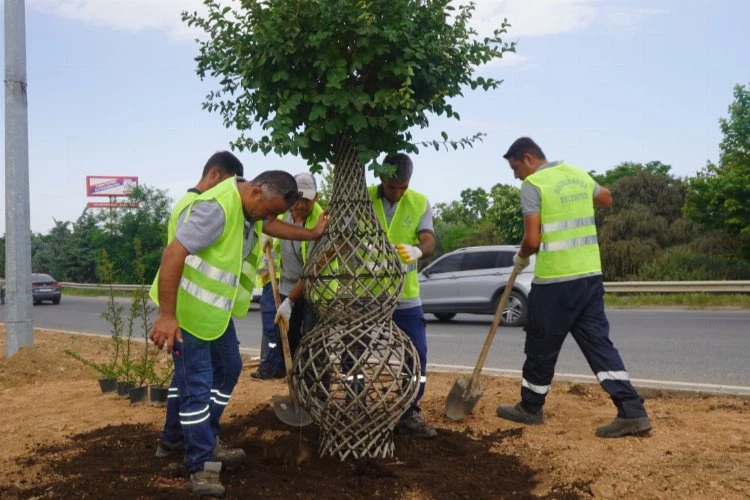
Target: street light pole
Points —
{"points": [[18, 321]]}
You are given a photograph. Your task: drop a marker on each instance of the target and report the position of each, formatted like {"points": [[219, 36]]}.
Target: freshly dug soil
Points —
{"points": [[62, 438]]}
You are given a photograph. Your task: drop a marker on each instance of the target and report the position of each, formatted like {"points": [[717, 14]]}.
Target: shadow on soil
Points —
{"points": [[119, 462]]}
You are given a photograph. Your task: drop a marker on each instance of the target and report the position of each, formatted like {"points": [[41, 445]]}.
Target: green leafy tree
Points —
{"points": [[504, 214], [50, 252], [629, 169], [718, 196], [146, 222], [645, 220], [311, 73], [325, 189]]}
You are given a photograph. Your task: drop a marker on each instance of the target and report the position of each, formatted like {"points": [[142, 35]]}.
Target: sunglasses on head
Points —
{"points": [[290, 196]]}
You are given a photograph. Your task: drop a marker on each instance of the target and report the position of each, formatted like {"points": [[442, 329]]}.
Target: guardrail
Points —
{"points": [[677, 287], [609, 287], [103, 288]]}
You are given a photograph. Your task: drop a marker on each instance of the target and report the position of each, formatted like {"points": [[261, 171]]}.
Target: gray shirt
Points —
{"points": [[205, 225], [425, 224], [291, 259], [531, 203]]}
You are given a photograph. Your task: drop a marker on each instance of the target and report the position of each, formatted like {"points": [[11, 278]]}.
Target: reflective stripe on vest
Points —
{"points": [[403, 229], [569, 246], [209, 288]]}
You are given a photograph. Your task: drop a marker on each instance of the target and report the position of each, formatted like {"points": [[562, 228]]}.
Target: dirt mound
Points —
{"points": [[65, 439]]}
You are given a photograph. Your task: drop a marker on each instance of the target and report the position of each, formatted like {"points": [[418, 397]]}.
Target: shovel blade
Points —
{"points": [[462, 398], [289, 411]]}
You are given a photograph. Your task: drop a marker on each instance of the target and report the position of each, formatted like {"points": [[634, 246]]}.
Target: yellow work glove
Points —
{"points": [[408, 253]]}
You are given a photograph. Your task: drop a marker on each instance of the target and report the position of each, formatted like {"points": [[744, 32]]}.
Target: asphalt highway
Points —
{"points": [[691, 349]]}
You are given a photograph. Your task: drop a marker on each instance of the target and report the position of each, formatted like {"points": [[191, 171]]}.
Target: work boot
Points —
{"points": [[520, 414], [415, 426], [623, 426], [206, 482], [166, 448], [260, 375], [228, 456]]}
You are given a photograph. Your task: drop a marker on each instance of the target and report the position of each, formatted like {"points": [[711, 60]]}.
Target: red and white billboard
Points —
{"points": [[110, 185], [105, 204]]}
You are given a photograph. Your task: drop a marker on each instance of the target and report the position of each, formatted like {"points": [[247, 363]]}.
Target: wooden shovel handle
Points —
{"points": [[493, 328], [277, 301]]}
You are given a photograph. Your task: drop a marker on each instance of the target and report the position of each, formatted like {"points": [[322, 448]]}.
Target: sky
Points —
{"points": [[112, 90]]}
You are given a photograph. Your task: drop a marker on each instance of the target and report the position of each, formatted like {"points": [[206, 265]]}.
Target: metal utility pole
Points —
{"points": [[18, 322]]}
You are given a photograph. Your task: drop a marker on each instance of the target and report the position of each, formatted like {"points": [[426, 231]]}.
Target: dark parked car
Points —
{"points": [[471, 280], [43, 287]]}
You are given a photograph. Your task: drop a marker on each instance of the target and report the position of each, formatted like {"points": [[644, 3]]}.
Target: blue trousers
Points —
{"points": [[577, 307], [272, 365], [301, 321], [205, 373], [412, 322]]}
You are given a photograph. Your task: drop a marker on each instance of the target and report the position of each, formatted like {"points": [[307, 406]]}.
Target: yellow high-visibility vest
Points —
{"points": [[569, 246]]}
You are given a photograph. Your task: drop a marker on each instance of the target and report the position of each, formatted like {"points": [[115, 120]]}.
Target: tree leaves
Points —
{"points": [[311, 70]]}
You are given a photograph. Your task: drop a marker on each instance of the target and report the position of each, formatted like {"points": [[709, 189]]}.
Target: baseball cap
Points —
{"points": [[306, 185]]}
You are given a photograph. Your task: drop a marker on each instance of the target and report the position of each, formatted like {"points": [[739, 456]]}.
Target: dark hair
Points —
{"points": [[226, 162], [403, 164], [521, 147], [281, 183]]}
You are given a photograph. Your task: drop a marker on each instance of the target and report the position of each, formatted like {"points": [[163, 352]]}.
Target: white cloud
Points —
{"points": [[126, 15], [534, 17], [510, 60], [528, 17]]}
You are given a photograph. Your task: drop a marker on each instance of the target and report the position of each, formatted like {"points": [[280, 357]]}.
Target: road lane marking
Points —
{"points": [[641, 382]]}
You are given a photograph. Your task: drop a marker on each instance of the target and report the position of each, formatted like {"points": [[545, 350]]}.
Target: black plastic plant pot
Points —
{"points": [[123, 388], [158, 395], [108, 384], [138, 394]]}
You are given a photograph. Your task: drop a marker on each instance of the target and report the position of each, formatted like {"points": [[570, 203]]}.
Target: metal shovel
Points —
{"points": [[466, 391], [287, 408]]}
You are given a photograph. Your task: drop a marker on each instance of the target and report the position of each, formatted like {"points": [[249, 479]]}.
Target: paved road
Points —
{"points": [[684, 347]]}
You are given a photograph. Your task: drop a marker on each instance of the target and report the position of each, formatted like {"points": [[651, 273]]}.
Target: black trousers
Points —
{"points": [[577, 307]]}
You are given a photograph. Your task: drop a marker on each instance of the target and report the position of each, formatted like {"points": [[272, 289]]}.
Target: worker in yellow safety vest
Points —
{"points": [[206, 277], [291, 258], [406, 216], [219, 167], [567, 294]]}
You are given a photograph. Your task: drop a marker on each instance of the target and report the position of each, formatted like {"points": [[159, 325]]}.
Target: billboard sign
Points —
{"points": [[110, 185], [105, 204]]}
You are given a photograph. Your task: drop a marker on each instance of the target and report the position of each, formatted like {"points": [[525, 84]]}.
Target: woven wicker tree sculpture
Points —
{"points": [[342, 81]]}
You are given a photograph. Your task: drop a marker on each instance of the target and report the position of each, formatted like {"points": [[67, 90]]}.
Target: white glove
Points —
{"points": [[284, 312], [408, 253], [265, 240], [374, 267], [520, 263]]}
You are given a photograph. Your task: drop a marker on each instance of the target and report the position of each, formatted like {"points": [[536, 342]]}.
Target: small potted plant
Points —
{"points": [[107, 372], [161, 376]]}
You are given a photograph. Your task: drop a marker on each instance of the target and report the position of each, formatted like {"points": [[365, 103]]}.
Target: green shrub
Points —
{"points": [[684, 264], [623, 260]]}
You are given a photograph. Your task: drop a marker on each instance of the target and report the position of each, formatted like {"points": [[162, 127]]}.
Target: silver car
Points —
{"points": [[471, 280]]}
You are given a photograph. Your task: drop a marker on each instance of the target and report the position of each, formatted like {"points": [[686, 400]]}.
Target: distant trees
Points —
{"points": [[70, 250], [480, 218], [660, 227], [719, 196]]}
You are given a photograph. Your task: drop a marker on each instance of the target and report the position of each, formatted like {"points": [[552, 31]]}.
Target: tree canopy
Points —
{"points": [[309, 71], [719, 195]]}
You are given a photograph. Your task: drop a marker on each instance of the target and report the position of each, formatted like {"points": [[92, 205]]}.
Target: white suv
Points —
{"points": [[471, 280]]}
